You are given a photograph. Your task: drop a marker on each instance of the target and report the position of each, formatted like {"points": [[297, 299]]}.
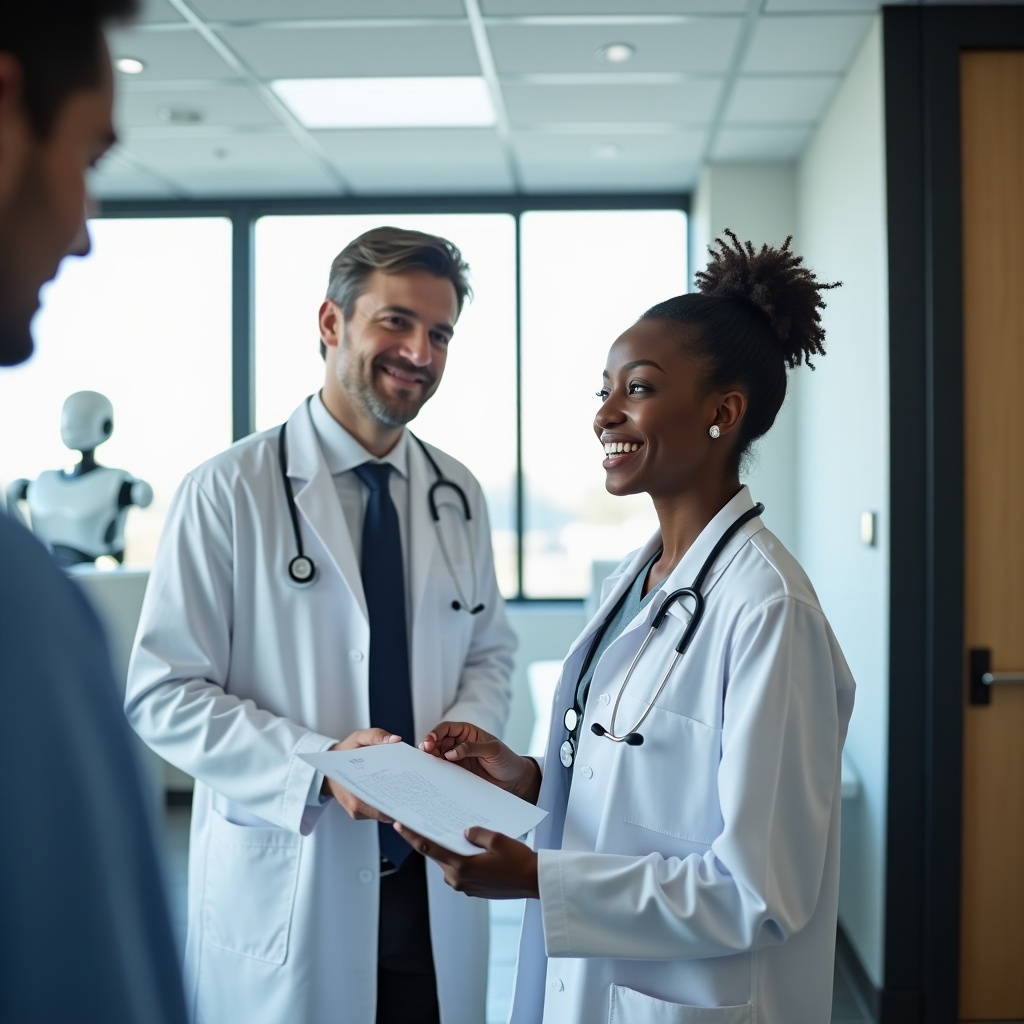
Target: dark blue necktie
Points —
{"points": [[383, 575]]}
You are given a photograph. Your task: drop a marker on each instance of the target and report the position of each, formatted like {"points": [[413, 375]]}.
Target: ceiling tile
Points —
{"points": [[585, 177], [780, 100], [297, 52], [795, 45], [155, 12], [819, 6], [697, 46], [657, 162], [471, 178], [272, 163], [230, 104], [419, 162], [627, 8], [781, 143], [410, 148], [169, 55], [293, 10], [609, 149], [690, 102], [115, 178]]}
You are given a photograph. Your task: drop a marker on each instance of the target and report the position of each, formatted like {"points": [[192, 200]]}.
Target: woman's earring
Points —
{"points": [[714, 431]]}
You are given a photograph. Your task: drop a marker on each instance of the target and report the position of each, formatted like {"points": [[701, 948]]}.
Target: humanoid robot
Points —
{"points": [[81, 514]]}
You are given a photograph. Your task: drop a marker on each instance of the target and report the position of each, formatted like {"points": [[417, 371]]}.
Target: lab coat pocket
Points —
{"points": [[249, 891], [627, 1006]]}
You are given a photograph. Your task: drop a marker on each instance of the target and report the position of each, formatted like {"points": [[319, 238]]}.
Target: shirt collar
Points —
{"points": [[342, 452]]}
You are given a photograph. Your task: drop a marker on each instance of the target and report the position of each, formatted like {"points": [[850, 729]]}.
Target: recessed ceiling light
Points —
{"points": [[462, 102], [607, 151], [129, 65], [615, 53], [180, 115]]}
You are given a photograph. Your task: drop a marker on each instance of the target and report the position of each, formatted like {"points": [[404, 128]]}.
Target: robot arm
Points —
{"points": [[135, 492], [17, 492]]}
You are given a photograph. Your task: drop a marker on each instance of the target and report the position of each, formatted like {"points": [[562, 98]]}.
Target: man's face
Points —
{"points": [[42, 194], [388, 359]]}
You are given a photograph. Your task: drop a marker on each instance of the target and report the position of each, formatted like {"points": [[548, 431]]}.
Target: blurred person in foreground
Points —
{"points": [[84, 928]]}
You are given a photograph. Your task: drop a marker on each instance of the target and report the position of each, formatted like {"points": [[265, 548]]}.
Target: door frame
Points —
{"points": [[922, 46]]}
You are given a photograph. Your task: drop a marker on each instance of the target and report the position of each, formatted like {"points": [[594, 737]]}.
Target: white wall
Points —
{"points": [[843, 455], [757, 202]]}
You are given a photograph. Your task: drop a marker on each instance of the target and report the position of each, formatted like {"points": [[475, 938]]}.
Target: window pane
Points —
{"points": [[146, 321], [586, 276], [472, 416]]}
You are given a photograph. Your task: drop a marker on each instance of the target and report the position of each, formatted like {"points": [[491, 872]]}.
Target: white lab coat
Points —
{"points": [[237, 670], [694, 879]]}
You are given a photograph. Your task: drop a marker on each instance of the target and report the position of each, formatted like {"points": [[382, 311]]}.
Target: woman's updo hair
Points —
{"points": [[756, 312]]}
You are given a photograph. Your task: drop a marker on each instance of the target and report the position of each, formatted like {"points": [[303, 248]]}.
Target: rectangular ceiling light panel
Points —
{"points": [[459, 102]]}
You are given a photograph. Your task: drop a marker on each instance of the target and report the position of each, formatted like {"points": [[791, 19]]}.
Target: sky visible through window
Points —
{"points": [[146, 320]]}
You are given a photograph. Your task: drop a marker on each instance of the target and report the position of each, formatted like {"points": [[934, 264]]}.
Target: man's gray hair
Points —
{"points": [[393, 250]]}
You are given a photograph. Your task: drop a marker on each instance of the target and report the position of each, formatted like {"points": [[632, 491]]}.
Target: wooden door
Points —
{"points": [[992, 878]]}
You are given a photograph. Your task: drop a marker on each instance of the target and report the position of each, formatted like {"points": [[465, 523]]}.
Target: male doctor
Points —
{"points": [[304, 598]]}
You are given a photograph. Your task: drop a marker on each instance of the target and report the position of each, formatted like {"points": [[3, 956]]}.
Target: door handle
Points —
{"points": [[982, 678]]}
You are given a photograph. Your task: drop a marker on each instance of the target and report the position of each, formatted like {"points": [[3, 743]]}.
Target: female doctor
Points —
{"points": [[687, 870]]}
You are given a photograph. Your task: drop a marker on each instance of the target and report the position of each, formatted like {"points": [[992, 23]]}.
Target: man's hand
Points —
{"points": [[485, 755], [355, 807], [507, 870]]}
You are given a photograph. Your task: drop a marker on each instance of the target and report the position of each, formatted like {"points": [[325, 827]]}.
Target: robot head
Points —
{"points": [[86, 420]]}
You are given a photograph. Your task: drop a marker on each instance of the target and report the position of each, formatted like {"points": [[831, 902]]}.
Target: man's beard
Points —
{"points": [[387, 412], [19, 297]]}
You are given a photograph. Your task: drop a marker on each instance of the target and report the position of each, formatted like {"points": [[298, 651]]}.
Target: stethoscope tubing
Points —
{"points": [[632, 737], [302, 570]]}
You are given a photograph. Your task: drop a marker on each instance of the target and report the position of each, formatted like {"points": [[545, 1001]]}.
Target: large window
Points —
{"points": [[586, 276], [146, 321]]}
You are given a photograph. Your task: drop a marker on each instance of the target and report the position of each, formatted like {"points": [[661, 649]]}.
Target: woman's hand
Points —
{"points": [[507, 870], [485, 755]]}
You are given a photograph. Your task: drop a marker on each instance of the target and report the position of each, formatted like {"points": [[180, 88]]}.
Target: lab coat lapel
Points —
{"points": [[316, 499], [620, 583], [422, 535]]}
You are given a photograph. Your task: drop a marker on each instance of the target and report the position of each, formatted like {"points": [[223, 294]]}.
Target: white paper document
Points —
{"points": [[434, 797]]}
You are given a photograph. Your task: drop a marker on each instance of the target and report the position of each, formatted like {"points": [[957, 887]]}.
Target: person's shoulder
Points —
{"points": [[771, 571], [37, 596], [245, 457], [28, 566]]}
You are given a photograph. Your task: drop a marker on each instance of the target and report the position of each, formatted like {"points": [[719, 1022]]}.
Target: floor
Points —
{"points": [[847, 1008]]}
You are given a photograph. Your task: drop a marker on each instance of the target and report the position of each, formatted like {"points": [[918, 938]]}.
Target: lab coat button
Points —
{"points": [[604, 698], [587, 772], [557, 985], [356, 655], [366, 876]]}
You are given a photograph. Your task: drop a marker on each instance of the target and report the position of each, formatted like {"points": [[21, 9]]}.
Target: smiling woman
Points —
{"points": [[716, 900]]}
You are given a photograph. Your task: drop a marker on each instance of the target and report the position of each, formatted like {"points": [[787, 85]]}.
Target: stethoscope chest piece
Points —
{"points": [[301, 569]]}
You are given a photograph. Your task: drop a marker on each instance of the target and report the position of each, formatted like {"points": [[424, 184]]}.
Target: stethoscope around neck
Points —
{"points": [[302, 569], [633, 737]]}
